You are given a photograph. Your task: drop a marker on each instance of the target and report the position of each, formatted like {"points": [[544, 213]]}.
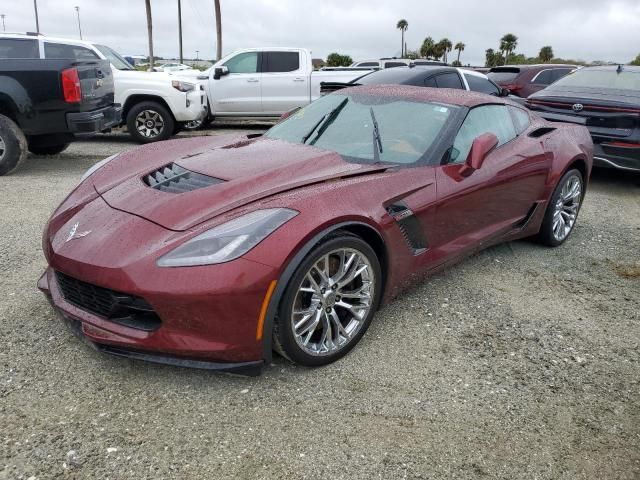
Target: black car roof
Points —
{"points": [[400, 75]]}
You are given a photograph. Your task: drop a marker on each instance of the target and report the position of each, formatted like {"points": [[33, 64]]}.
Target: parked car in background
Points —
{"points": [[523, 80], [154, 105], [265, 82], [171, 67], [607, 101], [394, 62], [433, 76], [46, 104], [222, 248]]}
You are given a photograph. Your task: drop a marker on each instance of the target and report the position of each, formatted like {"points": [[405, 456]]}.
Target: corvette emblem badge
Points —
{"points": [[73, 235]]}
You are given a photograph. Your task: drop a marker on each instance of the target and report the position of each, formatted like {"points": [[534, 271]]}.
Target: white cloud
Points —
{"points": [[584, 29]]}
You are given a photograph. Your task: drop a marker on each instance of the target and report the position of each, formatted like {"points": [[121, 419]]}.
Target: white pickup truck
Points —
{"points": [[155, 105], [265, 82]]}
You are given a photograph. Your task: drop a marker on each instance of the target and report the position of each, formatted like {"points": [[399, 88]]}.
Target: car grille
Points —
{"points": [[173, 178], [118, 307]]}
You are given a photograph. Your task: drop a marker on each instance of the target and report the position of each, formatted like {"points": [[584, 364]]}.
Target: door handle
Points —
{"points": [[252, 80], [298, 79]]}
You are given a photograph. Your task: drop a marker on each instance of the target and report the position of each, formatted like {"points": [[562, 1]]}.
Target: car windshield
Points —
{"points": [[610, 79], [115, 59], [407, 129]]}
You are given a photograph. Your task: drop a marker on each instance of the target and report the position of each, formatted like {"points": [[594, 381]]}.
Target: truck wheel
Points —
{"points": [[13, 145], [48, 149], [150, 122]]}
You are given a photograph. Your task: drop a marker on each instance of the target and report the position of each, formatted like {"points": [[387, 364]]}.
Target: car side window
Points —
{"points": [[430, 82], [281, 62], [246, 62], [61, 50], [394, 64], [483, 85], [368, 64], [558, 73], [521, 119], [449, 80], [494, 119], [545, 77], [18, 48]]}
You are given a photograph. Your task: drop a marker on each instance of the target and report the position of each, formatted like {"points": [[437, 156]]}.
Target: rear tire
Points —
{"points": [[562, 210], [13, 145], [150, 122], [320, 321]]}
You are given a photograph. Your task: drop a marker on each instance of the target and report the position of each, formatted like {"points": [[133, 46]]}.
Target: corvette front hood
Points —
{"points": [[250, 169]]}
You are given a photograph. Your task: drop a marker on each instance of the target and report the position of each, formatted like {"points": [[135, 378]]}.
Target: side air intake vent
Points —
{"points": [[539, 132], [409, 226], [173, 178]]}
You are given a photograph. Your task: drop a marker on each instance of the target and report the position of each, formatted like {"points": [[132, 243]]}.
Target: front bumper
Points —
{"points": [[190, 106], [89, 123], [109, 337]]}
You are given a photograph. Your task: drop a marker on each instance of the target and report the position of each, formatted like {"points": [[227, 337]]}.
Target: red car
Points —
{"points": [[523, 80], [212, 251]]}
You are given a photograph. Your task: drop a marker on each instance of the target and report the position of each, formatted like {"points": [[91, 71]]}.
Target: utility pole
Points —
{"points": [[35, 7], [197, 57], [78, 14], [147, 5], [4, 29], [180, 28]]}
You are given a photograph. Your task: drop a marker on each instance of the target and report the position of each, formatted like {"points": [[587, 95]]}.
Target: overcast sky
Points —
{"points": [[578, 29]]}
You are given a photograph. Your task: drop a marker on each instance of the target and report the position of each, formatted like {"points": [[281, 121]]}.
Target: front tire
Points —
{"points": [[329, 302], [13, 145], [150, 122], [562, 210]]}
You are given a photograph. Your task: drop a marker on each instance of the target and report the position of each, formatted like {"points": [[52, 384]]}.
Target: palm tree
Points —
{"points": [[216, 4], [427, 48], [546, 54], [147, 5], [445, 47], [460, 48], [508, 44], [402, 26]]}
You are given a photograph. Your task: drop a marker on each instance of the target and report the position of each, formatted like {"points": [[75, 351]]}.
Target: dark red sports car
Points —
{"points": [[212, 251]]}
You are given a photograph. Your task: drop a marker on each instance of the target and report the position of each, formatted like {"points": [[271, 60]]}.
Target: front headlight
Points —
{"points": [[182, 86], [228, 241], [97, 166]]}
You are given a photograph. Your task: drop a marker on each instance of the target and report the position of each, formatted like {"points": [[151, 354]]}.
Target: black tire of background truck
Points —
{"points": [[48, 149], [168, 126], [15, 145]]}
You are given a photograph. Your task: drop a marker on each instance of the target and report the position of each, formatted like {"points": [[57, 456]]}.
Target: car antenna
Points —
{"points": [[619, 69]]}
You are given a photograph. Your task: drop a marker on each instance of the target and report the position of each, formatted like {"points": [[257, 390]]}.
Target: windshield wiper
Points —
{"points": [[324, 122], [377, 140]]}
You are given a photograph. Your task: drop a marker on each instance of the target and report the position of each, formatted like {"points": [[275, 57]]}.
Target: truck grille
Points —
{"points": [[173, 178], [118, 307]]}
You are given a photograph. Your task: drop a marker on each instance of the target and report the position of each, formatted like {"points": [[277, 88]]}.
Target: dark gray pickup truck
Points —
{"points": [[46, 104]]}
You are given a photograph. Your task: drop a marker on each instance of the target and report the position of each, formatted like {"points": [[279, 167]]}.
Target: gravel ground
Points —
{"points": [[521, 362]]}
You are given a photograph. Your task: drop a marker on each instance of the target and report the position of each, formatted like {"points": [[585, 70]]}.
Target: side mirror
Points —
{"points": [[219, 72], [505, 92], [286, 115], [481, 147]]}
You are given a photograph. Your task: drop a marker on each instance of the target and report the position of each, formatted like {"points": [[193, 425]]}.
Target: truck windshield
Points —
{"points": [[115, 59], [408, 129]]}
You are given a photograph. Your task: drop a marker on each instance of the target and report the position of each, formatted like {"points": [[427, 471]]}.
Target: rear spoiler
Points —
{"points": [[329, 87]]}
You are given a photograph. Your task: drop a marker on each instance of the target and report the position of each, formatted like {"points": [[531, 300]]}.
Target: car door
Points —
{"points": [[285, 83], [239, 91], [493, 200]]}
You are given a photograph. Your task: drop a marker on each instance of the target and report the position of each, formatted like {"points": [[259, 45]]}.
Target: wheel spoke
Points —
{"points": [[338, 326]]}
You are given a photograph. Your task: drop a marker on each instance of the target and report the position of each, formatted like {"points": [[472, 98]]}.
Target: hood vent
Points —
{"points": [[173, 178]]}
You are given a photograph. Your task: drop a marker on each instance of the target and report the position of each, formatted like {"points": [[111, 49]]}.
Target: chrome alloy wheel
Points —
{"points": [[3, 148], [149, 123], [566, 208], [333, 301]]}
